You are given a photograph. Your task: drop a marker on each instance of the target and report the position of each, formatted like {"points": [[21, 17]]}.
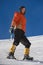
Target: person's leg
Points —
{"points": [[15, 43], [12, 50], [27, 45]]}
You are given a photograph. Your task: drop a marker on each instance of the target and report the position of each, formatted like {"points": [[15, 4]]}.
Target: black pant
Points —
{"points": [[20, 37]]}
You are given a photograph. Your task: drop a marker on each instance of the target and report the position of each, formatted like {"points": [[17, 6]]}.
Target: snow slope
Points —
{"points": [[36, 51]]}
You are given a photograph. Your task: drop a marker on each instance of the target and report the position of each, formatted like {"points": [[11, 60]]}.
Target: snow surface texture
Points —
{"points": [[36, 51]]}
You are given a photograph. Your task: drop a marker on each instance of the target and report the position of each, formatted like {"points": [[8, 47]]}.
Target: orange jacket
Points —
{"points": [[19, 20]]}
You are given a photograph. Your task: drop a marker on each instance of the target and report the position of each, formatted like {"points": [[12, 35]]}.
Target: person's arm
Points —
{"points": [[12, 25], [15, 21]]}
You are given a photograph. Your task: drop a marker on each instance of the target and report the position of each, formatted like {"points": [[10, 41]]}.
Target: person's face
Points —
{"points": [[23, 10]]}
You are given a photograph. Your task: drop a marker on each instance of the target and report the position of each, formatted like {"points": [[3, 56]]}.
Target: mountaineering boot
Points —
{"points": [[11, 56], [27, 57], [11, 53], [26, 54]]}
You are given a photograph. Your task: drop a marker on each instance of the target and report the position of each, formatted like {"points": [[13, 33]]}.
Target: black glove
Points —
{"points": [[11, 30]]}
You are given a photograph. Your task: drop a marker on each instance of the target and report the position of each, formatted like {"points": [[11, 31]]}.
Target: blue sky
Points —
{"points": [[34, 15]]}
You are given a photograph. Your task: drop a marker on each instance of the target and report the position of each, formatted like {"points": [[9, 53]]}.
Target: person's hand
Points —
{"points": [[11, 30]]}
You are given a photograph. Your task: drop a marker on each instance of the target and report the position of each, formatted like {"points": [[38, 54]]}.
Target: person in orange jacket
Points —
{"points": [[18, 26]]}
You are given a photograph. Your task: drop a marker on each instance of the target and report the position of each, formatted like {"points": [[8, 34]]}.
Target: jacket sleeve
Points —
{"points": [[16, 19]]}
